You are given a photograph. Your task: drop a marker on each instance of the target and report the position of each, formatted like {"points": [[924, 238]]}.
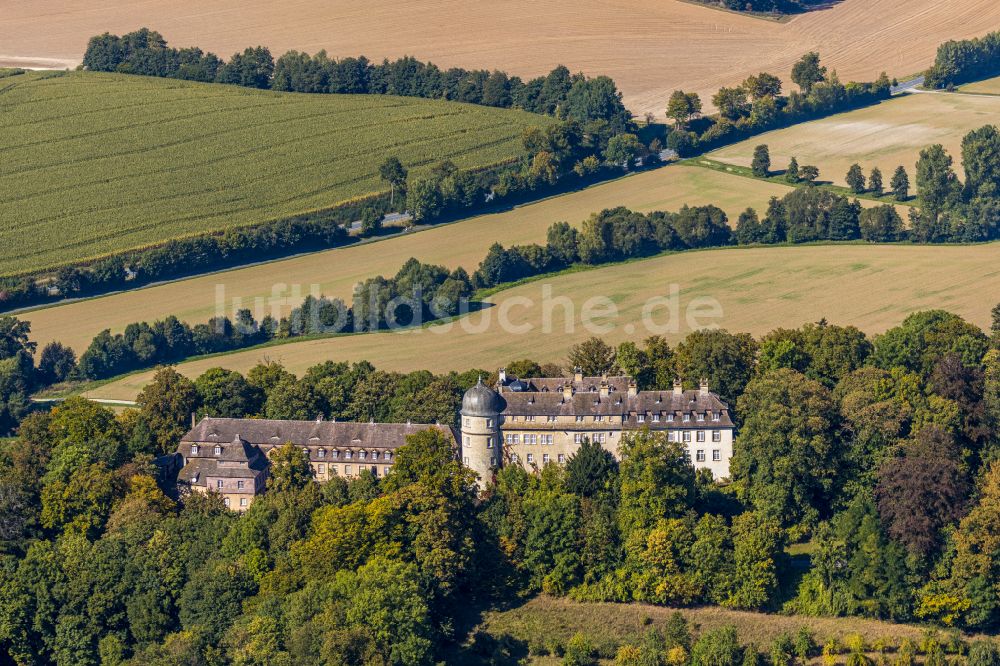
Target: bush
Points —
{"points": [[579, 652]]}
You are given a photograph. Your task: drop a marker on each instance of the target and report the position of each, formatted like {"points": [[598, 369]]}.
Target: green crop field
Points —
{"points": [[873, 287], [98, 163], [335, 272], [885, 135]]}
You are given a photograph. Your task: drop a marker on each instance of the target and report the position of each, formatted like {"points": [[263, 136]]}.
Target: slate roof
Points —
{"points": [[548, 399], [268, 433]]}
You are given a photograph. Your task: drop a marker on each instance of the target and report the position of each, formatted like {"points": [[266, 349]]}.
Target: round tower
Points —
{"points": [[482, 444]]}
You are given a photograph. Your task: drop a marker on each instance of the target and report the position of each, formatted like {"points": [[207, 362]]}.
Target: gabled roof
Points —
{"points": [[268, 433]]}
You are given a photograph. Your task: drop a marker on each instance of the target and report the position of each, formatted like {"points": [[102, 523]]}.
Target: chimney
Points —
{"points": [[319, 418], [502, 376], [194, 420], [633, 388], [678, 387], [704, 387], [577, 374], [567, 390], [605, 389]]}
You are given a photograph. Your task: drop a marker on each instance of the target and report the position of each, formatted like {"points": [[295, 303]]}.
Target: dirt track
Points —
{"points": [[649, 46]]}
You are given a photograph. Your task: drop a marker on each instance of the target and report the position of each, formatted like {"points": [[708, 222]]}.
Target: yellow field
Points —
{"points": [[987, 87], [650, 47], [756, 289], [886, 135], [337, 271]]}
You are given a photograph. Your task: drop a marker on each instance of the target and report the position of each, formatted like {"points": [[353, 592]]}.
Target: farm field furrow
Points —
{"points": [[335, 272], [650, 47], [886, 135], [757, 289], [98, 163]]}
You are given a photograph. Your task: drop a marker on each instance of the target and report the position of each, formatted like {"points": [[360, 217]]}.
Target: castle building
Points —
{"points": [[531, 422]]}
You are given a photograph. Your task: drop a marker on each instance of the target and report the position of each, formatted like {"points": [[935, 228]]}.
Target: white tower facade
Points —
{"points": [[482, 441]]}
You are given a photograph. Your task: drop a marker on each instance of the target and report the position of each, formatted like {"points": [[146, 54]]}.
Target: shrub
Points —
{"points": [[579, 652]]}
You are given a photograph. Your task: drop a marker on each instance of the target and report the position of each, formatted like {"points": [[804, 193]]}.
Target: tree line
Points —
{"points": [[963, 61], [757, 105], [424, 293], [885, 460], [559, 93], [765, 6]]}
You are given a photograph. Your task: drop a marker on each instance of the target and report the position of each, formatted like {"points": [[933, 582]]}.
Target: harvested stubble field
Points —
{"points": [[885, 135], [97, 163], [758, 289], [337, 271], [987, 87], [650, 47]]}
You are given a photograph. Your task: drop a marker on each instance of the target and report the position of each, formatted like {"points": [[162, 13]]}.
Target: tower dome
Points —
{"points": [[481, 400]]}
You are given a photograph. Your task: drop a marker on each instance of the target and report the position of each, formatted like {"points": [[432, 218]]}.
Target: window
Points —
{"points": [[347, 470], [225, 500], [514, 458], [562, 458], [701, 417], [687, 435], [545, 459], [530, 458], [467, 440], [701, 435], [641, 418], [716, 435], [489, 442], [218, 484], [348, 454], [489, 423], [546, 439], [656, 418], [336, 454], [716, 455], [700, 455], [465, 422], [599, 418], [218, 450], [321, 453], [362, 454], [686, 418], [321, 468], [239, 485], [716, 416], [599, 437], [385, 469], [577, 438], [465, 460], [387, 455], [670, 418], [551, 419], [374, 455], [194, 449], [333, 470], [243, 501], [511, 438], [530, 419], [579, 419], [530, 439]]}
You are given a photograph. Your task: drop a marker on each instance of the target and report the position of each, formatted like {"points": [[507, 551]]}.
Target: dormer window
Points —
{"points": [[387, 455], [687, 417], [374, 455], [362, 454], [670, 418], [551, 419], [218, 450], [641, 418], [530, 419], [701, 417], [194, 449], [321, 453], [348, 454], [579, 419], [336, 454], [715, 416], [656, 418], [599, 418]]}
